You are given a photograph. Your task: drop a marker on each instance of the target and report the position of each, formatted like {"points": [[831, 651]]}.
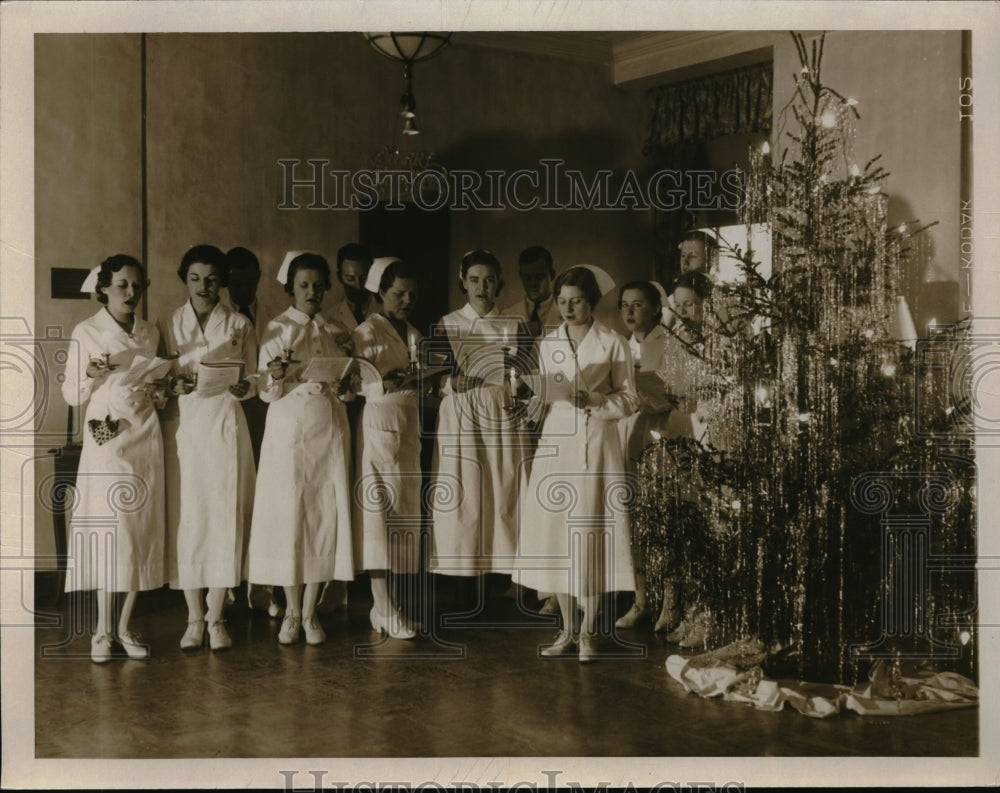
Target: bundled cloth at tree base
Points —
{"points": [[735, 673]]}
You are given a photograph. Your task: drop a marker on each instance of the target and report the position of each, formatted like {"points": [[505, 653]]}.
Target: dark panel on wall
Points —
{"points": [[66, 283], [420, 237]]}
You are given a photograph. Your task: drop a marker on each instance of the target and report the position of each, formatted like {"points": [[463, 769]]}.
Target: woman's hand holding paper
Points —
{"points": [[276, 368], [344, 341], [393, 381], [240, 389], [350, 383], [99, 367], [182, 384]]}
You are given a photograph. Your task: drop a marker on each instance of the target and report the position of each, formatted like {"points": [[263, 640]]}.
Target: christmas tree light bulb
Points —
{"points": [[766, 148]]}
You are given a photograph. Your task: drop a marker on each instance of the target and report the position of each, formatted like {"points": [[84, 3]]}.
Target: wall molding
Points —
{"points": [[628, 55]]}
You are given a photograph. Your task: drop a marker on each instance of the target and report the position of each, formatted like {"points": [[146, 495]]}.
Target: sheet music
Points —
{"points": [[325, 370], [215, 377], [144, 369]]}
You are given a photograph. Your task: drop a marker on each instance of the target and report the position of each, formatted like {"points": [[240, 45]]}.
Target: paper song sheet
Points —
{"points": [[215, 377]]}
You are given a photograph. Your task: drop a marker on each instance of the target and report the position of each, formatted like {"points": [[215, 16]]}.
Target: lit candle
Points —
{"points": [[513, 382], [506, 337], [413, 348], [288, 342]]}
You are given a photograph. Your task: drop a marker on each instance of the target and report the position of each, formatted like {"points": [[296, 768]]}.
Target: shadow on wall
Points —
{"points": [[577, 227]]}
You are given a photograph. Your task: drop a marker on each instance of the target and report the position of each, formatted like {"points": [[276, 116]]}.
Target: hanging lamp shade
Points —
{"points": [[409, 47]]}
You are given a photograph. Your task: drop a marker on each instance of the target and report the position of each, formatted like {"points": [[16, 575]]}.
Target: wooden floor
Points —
{"points": [[476, 687]]}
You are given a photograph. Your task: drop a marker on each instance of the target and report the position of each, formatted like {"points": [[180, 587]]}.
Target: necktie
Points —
{"points": [[245, 311], [534, 324]]}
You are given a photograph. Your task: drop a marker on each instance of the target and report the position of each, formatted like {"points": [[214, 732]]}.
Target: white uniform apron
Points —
{"points": [[479, 457], [117, 522], [209, 456], [574, 528], [301, 528], [389, 480]]}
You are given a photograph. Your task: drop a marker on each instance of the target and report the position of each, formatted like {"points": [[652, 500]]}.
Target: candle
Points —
{"points": [[413, 348], [506, 337], [287, 342], [513, 381]]}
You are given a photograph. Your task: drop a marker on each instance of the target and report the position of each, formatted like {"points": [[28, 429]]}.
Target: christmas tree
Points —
{"points": [[827, 429]]}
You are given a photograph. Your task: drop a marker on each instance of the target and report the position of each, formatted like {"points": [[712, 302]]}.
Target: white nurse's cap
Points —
{"points": [[283, 270], [663, 292], [90, 282], [605, 283], [375, 272]]}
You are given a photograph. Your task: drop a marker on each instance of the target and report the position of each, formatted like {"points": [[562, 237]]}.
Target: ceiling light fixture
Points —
{"points": [[408, 48]]}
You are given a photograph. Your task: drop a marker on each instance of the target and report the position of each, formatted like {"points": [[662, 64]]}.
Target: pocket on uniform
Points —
{"points": [[382, 445], [104, 430], [381, 419]]}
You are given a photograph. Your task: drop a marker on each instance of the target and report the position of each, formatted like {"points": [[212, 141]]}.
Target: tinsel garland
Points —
{"points": [[807, 393]]}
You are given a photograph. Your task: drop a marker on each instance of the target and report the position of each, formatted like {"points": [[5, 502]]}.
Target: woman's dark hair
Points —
{"points": [[473, 258], [205, 254], [397, 269], [650, 292], [582, 278], [695, 281], [112, 265], [307, 261]]}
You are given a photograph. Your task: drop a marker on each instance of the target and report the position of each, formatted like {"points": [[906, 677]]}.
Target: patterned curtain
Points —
{"points": [[733, 102], [683, 117]]}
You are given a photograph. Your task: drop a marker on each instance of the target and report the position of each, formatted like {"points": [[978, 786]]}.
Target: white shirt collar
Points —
{"points": [[301, 318], [657, 332], [470, 313]]}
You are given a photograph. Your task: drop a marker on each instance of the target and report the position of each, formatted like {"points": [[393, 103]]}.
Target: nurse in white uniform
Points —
{"points": [[300, 536], [116, 527], [689, 381], [387, 492], [481, 448], [209, 454], [641, 305], [574, 537]]}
